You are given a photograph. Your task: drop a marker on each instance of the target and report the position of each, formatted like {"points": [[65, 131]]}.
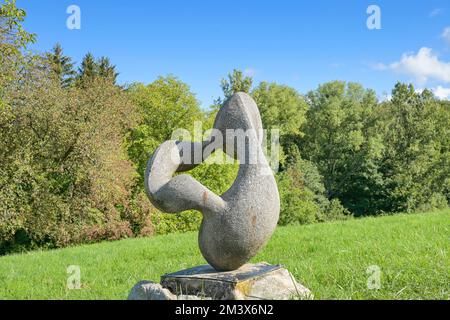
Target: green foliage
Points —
{"points": [[339, 140], [62, 66], [415, 162], [61, 182], [13, 36], [303, 197], [106, 70], [282, 108], [388, 157], [164, 106], [237, 82], [91, 69], [88, 68], [297, 203], [176, 223], [13, 39]]}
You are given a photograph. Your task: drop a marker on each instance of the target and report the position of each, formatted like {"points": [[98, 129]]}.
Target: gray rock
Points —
{"points": [[237, 224], [251, 282], [279, 285], [147, 290]]}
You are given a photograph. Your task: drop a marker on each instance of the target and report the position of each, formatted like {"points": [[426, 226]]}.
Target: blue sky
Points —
{"points": [[298, 43]]}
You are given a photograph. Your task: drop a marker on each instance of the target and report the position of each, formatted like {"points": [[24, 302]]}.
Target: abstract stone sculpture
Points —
{"points": [[237, 224]]}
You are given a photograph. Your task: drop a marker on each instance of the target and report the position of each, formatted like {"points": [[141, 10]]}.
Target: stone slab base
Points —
{"points": [[251, 282]]}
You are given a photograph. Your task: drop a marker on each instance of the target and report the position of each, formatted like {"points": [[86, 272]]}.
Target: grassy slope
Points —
{"points": [[331, 259]]}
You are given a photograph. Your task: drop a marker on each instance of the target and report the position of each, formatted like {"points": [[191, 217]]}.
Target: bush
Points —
{"points": [[112, 230], [65, 177], [436, 202], [297, 204], [302, 196]]}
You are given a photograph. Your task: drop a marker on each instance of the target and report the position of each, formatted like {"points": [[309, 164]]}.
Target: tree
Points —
{"points": [[13, 36], [282, 108], [164, 105], [445, 149], [91, 68], [303, 198], [106, 70], [375, 158], [415, 128], [13, 39], [65, 177], [88, 69], [62, 66], [236, 82], [339, 141], [60, 182]]}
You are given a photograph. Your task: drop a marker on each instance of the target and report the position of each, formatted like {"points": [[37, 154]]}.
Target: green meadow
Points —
{"points": [[335, 260]]}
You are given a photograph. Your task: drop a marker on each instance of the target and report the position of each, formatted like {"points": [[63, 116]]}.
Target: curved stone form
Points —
{"points": [[237, 224]]}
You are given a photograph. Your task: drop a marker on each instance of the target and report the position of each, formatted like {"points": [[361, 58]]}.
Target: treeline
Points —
{"points": [[74, 145]]}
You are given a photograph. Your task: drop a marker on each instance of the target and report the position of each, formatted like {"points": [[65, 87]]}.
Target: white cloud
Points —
{"points": [[379, 66], [446, 35], [442, 93], [436, 12], [424, 66]]}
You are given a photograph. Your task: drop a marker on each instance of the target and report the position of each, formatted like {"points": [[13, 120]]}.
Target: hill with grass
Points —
{"points": [[335, 260]]}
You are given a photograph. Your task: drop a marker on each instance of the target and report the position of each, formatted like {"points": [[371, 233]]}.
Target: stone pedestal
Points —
{"points": [[251, 282]]}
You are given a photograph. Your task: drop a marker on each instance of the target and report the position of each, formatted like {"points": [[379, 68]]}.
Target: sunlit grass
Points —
{"points": [[331, 259]]}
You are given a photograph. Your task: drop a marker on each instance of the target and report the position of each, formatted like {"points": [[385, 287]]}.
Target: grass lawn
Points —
{"points": [[331, 259]]}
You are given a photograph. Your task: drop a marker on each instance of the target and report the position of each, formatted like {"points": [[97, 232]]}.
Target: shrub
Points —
{"points": [[64, 169], [176, 223], [297, 203], [302, 196], [112, 230], [437, 201]]}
